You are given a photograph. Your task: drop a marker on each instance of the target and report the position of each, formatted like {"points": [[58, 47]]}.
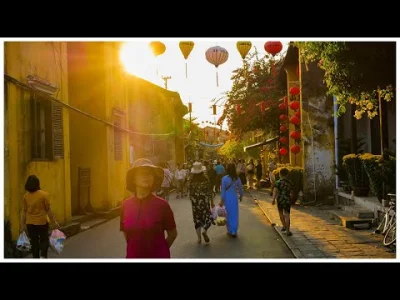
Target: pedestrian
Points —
{"points": [[145, 217], [271, 168], [283, 192], [180, 175], [167, 182], [220, 171], [202, 199], [259, 173], [36, 209], [212, 175], [231, 185], [250, 174]]}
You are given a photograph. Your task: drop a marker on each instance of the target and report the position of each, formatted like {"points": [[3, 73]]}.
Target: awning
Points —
{"points": [[261, 143]]}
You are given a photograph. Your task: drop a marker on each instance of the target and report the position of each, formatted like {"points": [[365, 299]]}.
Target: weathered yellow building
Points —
{"points": [[99, 150], [36, 128], [156, 120], [67, 120]]}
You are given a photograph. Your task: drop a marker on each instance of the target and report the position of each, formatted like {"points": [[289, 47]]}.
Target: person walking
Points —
{"points": [[145, 218], [231, 185], [36, 209], [202, 199], [283, 192]]}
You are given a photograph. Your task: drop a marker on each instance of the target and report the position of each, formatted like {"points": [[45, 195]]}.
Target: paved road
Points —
{"points": [[256, 238]]}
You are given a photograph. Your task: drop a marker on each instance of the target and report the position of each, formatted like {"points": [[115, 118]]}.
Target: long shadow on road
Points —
{"points": [[256, 238]]}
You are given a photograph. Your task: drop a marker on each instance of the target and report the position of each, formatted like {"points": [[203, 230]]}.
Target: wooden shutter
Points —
{"points": [[117, 140], [57, 130]]}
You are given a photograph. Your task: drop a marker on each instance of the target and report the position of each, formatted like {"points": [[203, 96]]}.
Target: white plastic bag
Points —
{"points": [[23, 243], [221, 215], [56, 240]]}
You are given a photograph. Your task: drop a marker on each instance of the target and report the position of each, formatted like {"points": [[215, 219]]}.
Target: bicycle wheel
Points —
{"points": [[390, 236], [382, 225]]}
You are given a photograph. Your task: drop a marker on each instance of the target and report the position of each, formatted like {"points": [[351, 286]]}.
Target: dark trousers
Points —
{"points": [[39, 236]]}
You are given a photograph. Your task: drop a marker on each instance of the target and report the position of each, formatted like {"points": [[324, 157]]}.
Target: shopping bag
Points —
{"points": [[23, 243], [56, 240], [221, 216]]}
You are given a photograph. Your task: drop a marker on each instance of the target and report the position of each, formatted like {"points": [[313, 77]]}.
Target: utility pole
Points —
{"points": [[166, 78]]}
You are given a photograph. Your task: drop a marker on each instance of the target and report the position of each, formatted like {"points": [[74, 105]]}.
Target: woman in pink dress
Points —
{"points": [[145, 217]]}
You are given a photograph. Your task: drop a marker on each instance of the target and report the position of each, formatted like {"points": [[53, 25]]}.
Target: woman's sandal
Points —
{"points": [[206, 238]]}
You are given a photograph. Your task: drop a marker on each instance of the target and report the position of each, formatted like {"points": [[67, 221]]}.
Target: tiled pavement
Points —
{"points": [[316, 235]]}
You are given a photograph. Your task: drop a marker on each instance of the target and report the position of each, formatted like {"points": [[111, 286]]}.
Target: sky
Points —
{"points": [[200, 87]]}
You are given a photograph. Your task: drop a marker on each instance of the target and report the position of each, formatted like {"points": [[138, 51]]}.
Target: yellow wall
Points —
{"points": [[116, 98], [152, 109], [96, 86], [46, 60]]}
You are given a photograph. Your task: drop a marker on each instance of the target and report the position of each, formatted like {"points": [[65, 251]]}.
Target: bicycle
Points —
{"points": [[390, 236], [388, 219]]}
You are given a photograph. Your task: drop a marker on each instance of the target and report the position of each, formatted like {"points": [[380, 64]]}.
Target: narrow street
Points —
{"points": [[256, 238]]}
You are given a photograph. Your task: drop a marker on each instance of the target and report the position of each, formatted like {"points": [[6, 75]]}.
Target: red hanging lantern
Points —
{"points": [[296, 135], [295, 149], [285, 100], [295, 105], [294, 120], [283, 151], [283, 140], [238, 109], [283, 117], [282, 106], [263, 106], [297, 114], [294, 90], [283, 128], [273, 48]]}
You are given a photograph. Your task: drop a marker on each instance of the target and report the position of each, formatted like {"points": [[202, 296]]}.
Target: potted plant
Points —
{"points": [[357, 175]]}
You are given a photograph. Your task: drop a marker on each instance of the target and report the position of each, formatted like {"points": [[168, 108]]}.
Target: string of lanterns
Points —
{"points": [[216, 55], [295, 119]]}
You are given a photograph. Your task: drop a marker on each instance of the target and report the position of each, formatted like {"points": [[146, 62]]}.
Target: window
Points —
{"points": [[47, 129], [117, 139]]}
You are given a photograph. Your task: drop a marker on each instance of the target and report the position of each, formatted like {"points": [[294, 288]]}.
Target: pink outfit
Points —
{"points": [[145, 221]]}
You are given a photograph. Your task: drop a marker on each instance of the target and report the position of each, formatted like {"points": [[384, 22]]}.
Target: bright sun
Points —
{"points": [[138, 59]]}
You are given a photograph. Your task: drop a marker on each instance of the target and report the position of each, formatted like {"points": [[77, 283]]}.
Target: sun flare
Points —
{"points": [[138, 60]]}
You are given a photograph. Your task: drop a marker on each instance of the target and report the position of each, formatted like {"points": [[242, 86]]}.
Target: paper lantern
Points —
{"points": [[297, 114], [273, 48], [217, 56], [295, 105], [239, 109], [186, 47], [294, 120], [157, 48], [283, 117], [283, 151], [243, 47], [263, 106], [283, 128], [296, 135], [294, 90], [282, 106], [295, 149], [283, 140]]}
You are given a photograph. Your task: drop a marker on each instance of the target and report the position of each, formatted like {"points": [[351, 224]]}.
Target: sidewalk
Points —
{"points": [[316, 235]]}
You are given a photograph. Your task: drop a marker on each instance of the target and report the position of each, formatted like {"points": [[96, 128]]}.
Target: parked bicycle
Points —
{"points": [[387, 226]]}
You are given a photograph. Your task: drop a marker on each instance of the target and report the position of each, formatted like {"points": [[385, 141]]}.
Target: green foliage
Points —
{"points": [[232, 149], [380, 172], [344, 149], [255, 81], [353, 72], [355, 171]]}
